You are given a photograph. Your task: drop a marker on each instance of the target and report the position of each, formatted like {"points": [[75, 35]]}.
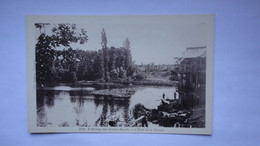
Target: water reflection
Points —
{"points": [[112, 110], [44, 99], [48, 98], [79, 108]]}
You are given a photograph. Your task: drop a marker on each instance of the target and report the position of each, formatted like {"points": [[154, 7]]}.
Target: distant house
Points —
{"points": [[141, 68]]}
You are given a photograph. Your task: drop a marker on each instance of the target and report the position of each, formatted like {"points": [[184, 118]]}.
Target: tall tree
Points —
{"points": [[63, 34], [105, 53], [103, 38], [126, 43], [128, 59]]}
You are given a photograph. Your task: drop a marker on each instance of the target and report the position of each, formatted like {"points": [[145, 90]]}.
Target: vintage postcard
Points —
{"points": [[133, 74]]}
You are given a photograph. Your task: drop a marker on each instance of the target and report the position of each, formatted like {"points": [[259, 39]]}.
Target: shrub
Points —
{"points": [[139, 77]]}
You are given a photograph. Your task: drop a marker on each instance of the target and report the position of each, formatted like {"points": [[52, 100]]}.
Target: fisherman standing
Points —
{"points": [[144, 122]]}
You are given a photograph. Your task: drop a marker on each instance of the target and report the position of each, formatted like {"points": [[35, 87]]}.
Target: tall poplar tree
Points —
{"points": [[105, 54]]}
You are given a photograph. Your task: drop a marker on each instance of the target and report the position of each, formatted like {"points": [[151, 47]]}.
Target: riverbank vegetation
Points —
{"points": [[57, 62], [117, 92], [69, 65]]}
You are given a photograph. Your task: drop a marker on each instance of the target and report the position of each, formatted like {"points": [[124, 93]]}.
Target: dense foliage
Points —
{"points": [[70, 65]]}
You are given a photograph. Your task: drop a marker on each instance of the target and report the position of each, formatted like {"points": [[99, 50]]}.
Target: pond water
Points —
{"points": [[68, 106]]}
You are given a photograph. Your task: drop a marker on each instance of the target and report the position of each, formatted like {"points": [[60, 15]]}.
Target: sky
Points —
{"points": [[153, 39]]}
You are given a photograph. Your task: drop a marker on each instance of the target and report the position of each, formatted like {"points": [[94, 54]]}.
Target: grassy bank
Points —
{"points": [[114, 83], [155, 83], [120, 93]]}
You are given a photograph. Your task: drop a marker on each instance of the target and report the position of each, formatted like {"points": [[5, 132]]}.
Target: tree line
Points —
{"points": [[70, 65]]}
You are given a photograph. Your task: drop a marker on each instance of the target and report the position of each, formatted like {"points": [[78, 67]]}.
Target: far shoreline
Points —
{"points": [[118, 83]]}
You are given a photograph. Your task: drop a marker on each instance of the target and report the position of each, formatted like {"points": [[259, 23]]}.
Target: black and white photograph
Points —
{"points": [[125, 74]]}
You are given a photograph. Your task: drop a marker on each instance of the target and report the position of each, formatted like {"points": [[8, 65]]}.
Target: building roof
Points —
{"points": [[193, 52]]}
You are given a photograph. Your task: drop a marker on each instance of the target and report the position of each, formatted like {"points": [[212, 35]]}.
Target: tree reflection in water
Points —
{"points": [[43, 98], [48, 96], [77, 99], [112, 110], [41, 115], [78, 107]]}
